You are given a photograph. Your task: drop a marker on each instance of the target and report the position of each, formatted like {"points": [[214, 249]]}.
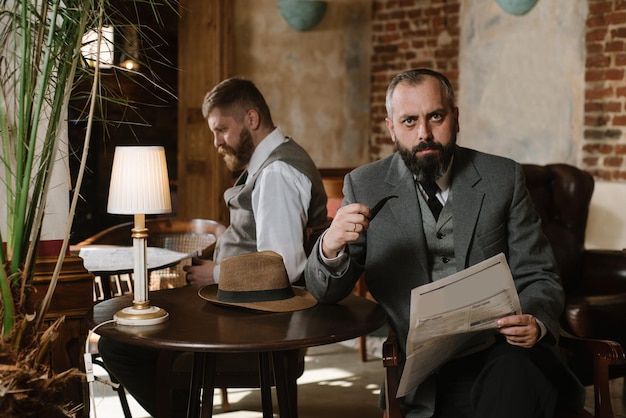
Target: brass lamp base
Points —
{"points": [[145, 316]]}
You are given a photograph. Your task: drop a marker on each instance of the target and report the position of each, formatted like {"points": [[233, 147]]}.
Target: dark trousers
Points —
{"points": [[135, 367], [501, 381]]}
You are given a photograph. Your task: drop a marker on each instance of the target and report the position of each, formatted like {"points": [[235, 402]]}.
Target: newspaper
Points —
{"points": [[447, 313]]}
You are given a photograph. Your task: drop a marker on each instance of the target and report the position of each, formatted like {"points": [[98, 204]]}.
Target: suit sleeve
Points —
{"points": [[324, 284], [532, 262]]}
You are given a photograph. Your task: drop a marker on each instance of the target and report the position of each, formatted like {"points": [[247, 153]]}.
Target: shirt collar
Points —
{"points": [[264, 149]]}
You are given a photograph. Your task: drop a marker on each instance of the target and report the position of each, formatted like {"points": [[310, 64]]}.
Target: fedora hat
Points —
{"points": [[257, 281]]}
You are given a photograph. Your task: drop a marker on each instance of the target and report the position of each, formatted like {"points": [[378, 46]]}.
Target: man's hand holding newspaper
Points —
{"points": [[447, 313]]}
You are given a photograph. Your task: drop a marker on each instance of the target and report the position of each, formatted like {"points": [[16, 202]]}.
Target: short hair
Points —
{"points": [[416, 77], [236, 96]]}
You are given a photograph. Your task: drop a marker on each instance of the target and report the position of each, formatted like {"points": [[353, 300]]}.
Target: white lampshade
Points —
{"points": [[139, 181]]}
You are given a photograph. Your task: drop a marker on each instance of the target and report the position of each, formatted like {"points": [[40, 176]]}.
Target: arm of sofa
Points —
{"points": [[603, 272], [392, 376], [596, 306], [590, 360]]}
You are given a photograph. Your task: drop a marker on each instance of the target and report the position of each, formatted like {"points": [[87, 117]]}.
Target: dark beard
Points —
{"points": [[237, 160], [429, 167]]}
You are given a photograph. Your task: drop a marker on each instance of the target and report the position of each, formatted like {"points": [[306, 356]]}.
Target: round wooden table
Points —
{"points": [[205, 328]]}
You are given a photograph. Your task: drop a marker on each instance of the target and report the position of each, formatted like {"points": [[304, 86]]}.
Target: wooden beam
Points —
{"points": [[205, 57]]}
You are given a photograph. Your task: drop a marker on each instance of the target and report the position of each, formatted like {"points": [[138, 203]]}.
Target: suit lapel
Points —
{"points": [[401, 180], [467, 202]]}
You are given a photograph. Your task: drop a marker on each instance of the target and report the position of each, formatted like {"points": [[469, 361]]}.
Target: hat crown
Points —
{"points": [[262, 270]]}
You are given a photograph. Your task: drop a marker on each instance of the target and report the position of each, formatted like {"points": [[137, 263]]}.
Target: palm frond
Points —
{"points": [[40, 63]]}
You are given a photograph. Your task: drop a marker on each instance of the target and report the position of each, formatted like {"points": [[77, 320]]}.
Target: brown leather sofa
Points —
{"points": [[594, 320], [594, 280]]}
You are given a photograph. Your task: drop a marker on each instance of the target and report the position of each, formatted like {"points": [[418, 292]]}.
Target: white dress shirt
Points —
{"points": [[280, 202]]}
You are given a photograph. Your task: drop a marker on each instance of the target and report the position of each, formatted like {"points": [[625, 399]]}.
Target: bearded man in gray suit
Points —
{"points": [[486, 211]]}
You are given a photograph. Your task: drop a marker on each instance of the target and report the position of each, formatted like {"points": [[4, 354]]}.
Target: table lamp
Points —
{"points": [[139, 186]]}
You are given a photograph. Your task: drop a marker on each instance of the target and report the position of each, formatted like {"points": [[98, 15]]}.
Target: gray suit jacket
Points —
{"points": [[492, 213]]}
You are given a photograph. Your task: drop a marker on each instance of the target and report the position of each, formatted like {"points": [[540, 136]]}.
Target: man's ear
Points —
{"points": [[252, 120], [389, 124]]}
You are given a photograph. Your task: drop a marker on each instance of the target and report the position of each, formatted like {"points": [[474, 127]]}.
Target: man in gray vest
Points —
{"points": [[280, 192], [455, 207], [278, 195]]}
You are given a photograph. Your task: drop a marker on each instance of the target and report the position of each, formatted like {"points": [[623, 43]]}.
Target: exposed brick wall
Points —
{"points": [[409, 34], [604, 140], [418, 33]]}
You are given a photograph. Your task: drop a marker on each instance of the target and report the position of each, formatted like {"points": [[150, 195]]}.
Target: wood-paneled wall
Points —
{"points": [[205, 45]]}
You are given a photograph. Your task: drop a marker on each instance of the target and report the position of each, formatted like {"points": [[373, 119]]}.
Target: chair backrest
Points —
{"points": [[561, 194], [333, 186], [121, 234], [182, 236], [334, 191]]}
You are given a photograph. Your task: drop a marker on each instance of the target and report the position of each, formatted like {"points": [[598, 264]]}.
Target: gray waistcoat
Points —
{"points": [[440, 239], [240, 236]]}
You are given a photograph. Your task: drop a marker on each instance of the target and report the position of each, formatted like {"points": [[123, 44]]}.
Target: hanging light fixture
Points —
{"points": [[129, 57], [102, 51], [516, 7], [302, 15]]}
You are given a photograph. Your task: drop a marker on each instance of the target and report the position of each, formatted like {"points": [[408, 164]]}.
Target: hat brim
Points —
{"points": [[301, 300]]}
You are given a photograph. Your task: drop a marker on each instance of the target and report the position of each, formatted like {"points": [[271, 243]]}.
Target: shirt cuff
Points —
{"points": [[216, 274], [336, 264], [543, 330]]}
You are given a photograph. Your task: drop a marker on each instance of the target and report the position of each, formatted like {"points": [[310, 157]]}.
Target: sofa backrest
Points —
{"points": [[562, 194]]}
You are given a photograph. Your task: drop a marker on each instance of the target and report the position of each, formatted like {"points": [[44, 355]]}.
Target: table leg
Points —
{"points": [[285, 366], [202, 381], [197, 377], [266, 384], [208, 385]]}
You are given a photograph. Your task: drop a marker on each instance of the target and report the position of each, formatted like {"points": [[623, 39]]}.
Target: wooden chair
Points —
{"points": [[594, 283]]}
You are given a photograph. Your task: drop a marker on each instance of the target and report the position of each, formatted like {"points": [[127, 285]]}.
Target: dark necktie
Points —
{"points": [[434, 204], [242, 178]]}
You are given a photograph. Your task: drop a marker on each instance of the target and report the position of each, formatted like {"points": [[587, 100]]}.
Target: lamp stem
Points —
{"points": [[140, 270], [141, 313]]}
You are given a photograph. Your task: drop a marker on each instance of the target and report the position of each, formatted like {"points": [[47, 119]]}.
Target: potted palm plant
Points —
{"points": [[40, 60]]}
